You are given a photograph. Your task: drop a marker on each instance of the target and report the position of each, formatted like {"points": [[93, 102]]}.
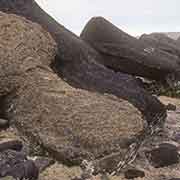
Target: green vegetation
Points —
{"points": [[170, 92], [160, 89]]}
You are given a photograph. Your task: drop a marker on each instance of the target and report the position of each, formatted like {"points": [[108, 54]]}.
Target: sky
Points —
{"points": [[132, 16]]}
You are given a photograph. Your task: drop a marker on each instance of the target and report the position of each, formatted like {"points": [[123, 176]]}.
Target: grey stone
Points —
{"points": [[3, 123], [124, 53], [13, 145], [81, 65], [134, 173], [165, 155]]}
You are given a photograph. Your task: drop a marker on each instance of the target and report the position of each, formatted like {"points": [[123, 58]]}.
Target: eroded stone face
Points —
{"points": [[71, 124], [23, 46]]}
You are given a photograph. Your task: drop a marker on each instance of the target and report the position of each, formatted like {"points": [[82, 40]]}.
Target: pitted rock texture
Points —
{"points": [[134, 173], [124, 53], [171, 172], [162, 42], [3, 123], [80, 65], [165, 155], [71, 124]]}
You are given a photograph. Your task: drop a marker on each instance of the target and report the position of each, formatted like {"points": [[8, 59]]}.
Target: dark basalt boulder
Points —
{"points": [[25, 170], [8, 159], [171, 107], [178, 41], [3, 123], [169, 47], [134, 173], [16, 165], [43, 162], [165, 155], [13, 145], [162, 42], [81, 66], [176, 137], [124, 53]]}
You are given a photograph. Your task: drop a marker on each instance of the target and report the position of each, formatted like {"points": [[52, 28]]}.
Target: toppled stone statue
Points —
{"points": [[124, 53], [71, 124], [80, 65]]}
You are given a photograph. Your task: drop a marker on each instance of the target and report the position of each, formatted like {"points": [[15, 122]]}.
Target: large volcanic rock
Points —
{"points": [[69, 123], [172, 35], [124, 53], [172, 172], [161, 41], [178, 41], [78, 63]]}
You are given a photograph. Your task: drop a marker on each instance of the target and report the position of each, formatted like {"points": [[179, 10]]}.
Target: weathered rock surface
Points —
{"points": [[169, 46], [162, 42], [71, 124], [54, 114], [43, 162], [178, 41], [171, 107], [58, 171], [17, 166], [3, 123], [172, 126], [172, 35], [13, 145], [164, 155], [134, 173], [78, 63], [15, 158], [124, 53]]}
